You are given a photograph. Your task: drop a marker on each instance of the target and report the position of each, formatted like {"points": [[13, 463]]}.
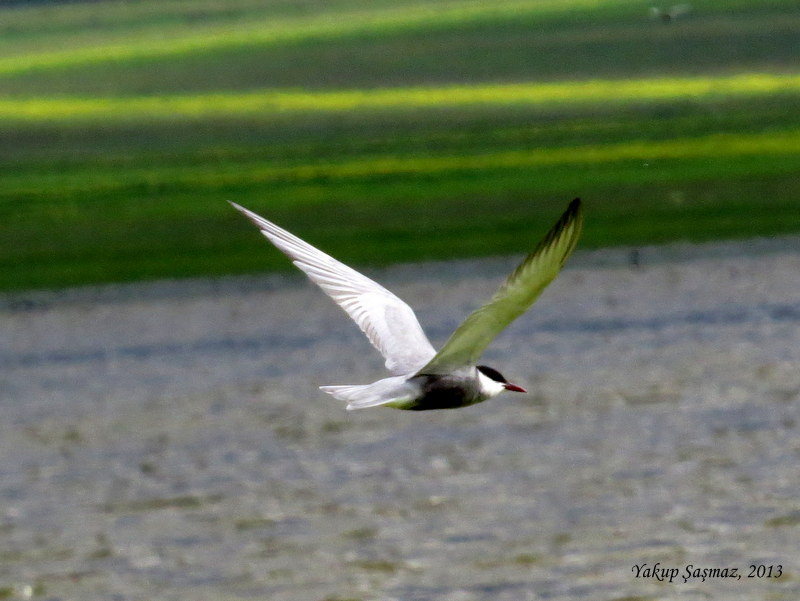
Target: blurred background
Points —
{"points": [[161, 431], [423, 130]]}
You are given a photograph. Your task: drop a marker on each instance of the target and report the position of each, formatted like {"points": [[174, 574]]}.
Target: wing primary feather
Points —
{"points": [[388, 322], [568, 226], [513, 298]]}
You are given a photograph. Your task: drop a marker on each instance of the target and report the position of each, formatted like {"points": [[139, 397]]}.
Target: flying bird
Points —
{"points": [[667, 15], [422, 378]]}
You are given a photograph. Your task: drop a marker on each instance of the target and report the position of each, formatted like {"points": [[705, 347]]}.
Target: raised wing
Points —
{"points": [[388, 322], [523, 286]]}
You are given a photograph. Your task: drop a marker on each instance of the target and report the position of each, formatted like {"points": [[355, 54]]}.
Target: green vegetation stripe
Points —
{"points": [[717, 145], [714, 146], [322, 24], [283, 101]]}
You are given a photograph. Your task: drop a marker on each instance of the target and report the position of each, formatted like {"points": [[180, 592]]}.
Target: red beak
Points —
{"points": [[514, 387]]}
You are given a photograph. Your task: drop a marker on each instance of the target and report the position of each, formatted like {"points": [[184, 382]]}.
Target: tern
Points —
{"points": [[670, 14], [423, 379]]}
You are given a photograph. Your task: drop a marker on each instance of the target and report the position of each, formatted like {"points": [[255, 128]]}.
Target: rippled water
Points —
{"points": [[168, 441]]}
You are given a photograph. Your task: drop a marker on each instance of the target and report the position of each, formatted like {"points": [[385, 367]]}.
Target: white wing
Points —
{"points": [[388, 322], [523, 286]]}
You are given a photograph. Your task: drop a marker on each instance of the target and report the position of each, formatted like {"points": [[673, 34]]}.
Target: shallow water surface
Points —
{"points": [[167, 441]]}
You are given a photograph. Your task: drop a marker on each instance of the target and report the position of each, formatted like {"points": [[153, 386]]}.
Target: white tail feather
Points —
{"points": [[361, 396]]}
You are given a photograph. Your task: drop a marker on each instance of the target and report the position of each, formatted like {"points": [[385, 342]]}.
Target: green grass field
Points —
{"points": [[409, 130]]}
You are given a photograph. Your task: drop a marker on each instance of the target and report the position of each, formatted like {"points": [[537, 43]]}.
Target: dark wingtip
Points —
{"points": [[573, 207], [572, 216], [573, 211]]}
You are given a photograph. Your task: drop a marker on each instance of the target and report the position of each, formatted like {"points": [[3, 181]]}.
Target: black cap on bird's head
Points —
{"points": [[495, 375]]}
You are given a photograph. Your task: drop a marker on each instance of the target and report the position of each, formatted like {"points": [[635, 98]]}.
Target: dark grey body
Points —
{"points": [[444, 392]]}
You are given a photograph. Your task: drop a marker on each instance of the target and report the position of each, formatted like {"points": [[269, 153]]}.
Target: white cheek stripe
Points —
{"points": [[488, 385]]}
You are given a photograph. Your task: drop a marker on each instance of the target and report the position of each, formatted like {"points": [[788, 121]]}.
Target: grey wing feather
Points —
{"points": [[388, 322], [515, 295]]}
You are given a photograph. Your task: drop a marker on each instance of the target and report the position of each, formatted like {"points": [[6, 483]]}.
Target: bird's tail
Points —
{"points": [[361, 396]]}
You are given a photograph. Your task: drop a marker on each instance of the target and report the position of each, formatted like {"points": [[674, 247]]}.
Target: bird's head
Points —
{"points": [[492, 381]]}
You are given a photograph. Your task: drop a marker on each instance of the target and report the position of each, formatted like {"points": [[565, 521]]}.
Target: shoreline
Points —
{"points": [[151, 290]]}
